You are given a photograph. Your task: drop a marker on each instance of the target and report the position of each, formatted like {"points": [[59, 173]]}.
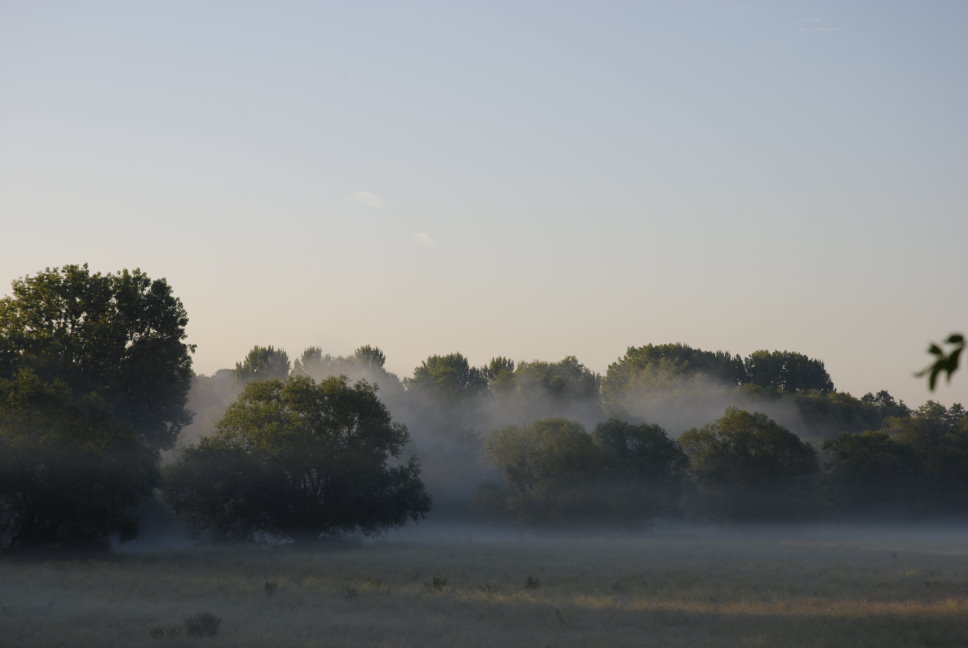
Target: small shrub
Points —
{"points": [[350, 592], [271, 587], [437, 584], [203, 624], [532, 583]]}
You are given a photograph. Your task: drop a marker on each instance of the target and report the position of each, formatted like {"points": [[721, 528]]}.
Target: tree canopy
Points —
{"points": [[263, 363], [120, 336], [786, 371], [447, 377], [298, 458]]}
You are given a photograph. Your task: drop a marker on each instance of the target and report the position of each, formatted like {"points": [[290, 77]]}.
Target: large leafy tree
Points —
{"points": [[120, 336], [298, 458], [71, 473], [747, 466]]}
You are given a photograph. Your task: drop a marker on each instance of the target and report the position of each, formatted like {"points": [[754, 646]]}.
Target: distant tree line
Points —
{"points": [[96, 386]]}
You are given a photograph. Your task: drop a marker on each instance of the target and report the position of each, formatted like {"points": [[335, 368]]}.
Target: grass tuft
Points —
{"points": [[437, 584], [270, 588], [203, 624]]}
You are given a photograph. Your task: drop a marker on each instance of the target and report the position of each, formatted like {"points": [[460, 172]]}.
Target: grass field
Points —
{"points": [[794, 587]]}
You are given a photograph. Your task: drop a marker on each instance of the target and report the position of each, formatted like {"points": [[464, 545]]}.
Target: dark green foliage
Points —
{"points": [[94, 376], [642, 465], [120, 336], [833, 413], [940, 438], [640, 452], [786, 371], [746, 466], [447, 379], [886, 404], [263, 363], [555, 472], [499, 374], [298, 458], [71, 473], [871, 473], [945, 362]]}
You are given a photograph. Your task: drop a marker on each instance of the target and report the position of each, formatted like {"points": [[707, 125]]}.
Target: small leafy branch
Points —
{"points": [[944, 362]]}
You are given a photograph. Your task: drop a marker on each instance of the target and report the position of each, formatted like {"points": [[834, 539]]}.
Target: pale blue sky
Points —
{"points": [[504, 178]]}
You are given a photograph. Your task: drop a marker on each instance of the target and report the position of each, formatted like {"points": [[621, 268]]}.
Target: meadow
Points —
{"points": [[796, 586]]}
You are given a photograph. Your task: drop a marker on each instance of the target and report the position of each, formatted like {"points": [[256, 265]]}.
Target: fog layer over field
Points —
{"points": [[452, 410]]}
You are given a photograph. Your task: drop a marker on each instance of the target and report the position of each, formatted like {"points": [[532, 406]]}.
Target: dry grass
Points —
{"points": [[648, 591]]}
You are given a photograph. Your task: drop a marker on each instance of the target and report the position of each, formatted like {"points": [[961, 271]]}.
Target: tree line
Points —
{"points": [[100, 410]]}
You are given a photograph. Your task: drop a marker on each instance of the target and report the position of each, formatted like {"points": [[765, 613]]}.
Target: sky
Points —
{"points": [[526, 179]]}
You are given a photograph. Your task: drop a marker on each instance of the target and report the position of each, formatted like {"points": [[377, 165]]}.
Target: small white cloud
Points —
{"points": [[424, 239], [366, 199]]}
